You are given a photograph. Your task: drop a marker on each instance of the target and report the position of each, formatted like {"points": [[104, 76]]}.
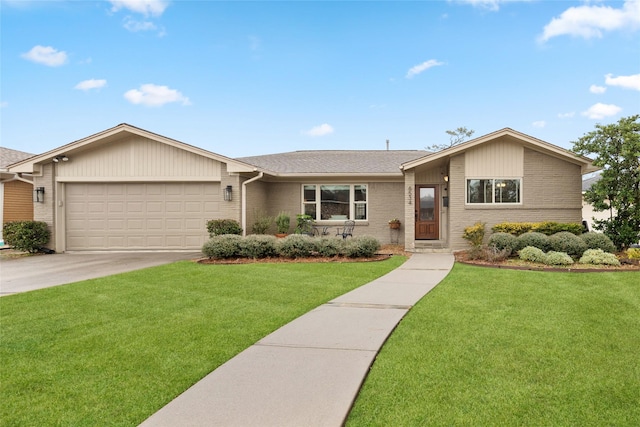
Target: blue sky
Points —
{"points": [[248, 78]]}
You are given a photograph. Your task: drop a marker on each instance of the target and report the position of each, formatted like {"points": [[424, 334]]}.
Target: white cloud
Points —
{"points": [[135, 26], [566, 115], [589, 21], [627, 82], [323, 129], [155, 96], [600, 111], [4, 104], [91, 84], [46, 55], [597, 89], [417, 69], [539, 124], [145, 7], [493, 5]]}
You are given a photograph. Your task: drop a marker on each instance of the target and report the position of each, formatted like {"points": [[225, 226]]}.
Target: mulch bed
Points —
{"points": [[384, 253], [517, 264]]}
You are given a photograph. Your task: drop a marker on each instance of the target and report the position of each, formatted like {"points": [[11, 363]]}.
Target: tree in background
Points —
{"points": [[456, 137], [616, 148]]}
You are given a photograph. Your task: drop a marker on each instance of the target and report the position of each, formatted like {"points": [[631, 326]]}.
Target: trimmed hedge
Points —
{"points": [[474, 234], [292, 246], [219, 227], [558, 258], [546, 227], [567, 242], [504, 242], [595, 240], [27, 236], [535, 239]]}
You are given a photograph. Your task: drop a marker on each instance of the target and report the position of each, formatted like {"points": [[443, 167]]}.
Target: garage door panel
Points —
{"points": [[123, 216]]}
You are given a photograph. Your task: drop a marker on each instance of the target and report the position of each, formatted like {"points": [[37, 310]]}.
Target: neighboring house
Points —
{"points": [[16, 190], [129, 189], [588, 214]]}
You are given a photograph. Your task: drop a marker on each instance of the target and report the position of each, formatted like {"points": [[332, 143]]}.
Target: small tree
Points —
{"points": [[617, 151], [456, 137]]}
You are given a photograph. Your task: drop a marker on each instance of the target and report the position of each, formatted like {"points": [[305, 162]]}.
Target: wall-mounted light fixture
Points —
{"points": [[228, 192], [446, 178], [38, 194], [62, 158]]}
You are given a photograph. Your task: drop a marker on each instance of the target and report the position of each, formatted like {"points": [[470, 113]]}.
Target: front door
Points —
{"points": [[427, 221]]}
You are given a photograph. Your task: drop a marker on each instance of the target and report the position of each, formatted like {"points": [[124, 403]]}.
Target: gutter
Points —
{"points": [[244, 200]]}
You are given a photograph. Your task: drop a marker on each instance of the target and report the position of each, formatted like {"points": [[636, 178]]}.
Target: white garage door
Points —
{"points": [[130, 216]]}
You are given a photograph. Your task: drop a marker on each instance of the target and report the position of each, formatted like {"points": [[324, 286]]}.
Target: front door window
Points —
{"points": [[427, 224]]}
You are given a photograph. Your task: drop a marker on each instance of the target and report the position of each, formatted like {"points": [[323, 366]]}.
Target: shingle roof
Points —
{"points": [[335, 161], [9, 156], [587, 183]]}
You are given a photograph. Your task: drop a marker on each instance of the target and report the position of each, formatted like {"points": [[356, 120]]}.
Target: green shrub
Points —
{"points": [[567, 242], [330, 246], [546, 227], [633, 253], [595, 240], [503, 242], [262, 224], [474, 234], [535, 239], [558, 258], [598, 257], [258, 246], [532, 254], [304, 224], [362, 247], [296, 246], [222, 246], [283, 221], [218, 227], [27, 236]]}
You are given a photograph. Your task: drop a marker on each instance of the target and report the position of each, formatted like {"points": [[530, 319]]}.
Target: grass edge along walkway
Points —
{"points": [[114, 350], [503, 347]]}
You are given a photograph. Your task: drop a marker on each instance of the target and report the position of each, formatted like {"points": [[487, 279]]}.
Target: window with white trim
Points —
{"points": [[494, 191], [335, 201]]}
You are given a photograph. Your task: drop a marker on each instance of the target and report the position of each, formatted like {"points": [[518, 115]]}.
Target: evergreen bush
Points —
{"points": [[558, 258], [535, 239], [222, 246], [362, 246], [532, 254], [27, 236], [595, 240], [218, 227], [567, 242], [258, 246], [474, 234], [503, 242], [330, 246], [296, 246], [599, 257]]}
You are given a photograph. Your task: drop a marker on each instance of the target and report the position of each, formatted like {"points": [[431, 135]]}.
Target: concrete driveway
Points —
{"points": [[43, 271]]}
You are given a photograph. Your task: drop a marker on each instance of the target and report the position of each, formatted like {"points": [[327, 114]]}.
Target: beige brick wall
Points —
{"points": [[47, 211], [385, 201], [551, 192]]}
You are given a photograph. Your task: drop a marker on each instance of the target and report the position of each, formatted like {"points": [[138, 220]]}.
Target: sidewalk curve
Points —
{"points": [[309, 372]]}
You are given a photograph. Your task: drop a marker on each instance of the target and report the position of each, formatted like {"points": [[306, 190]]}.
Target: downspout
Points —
{"points": [[244, 200]]}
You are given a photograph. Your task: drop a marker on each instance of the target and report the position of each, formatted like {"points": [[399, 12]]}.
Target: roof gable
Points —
{"points": [[115, 133], [528, 141]]}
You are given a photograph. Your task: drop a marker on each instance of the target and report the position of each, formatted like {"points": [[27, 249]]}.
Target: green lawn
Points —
{"points": [[491, 347], [113, 351]]}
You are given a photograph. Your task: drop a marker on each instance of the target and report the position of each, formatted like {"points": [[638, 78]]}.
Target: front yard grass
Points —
{"points": [[112, 351], [503, 347]]}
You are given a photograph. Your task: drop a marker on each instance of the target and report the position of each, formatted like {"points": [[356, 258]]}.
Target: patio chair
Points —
{"points": [[347, 230]]}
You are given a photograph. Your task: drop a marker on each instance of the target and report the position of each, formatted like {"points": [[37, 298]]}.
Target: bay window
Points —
{"points": [[335, 201]]}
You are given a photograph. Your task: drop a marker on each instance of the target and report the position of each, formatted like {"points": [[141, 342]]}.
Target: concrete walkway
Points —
{"points": [[309, 372]]}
